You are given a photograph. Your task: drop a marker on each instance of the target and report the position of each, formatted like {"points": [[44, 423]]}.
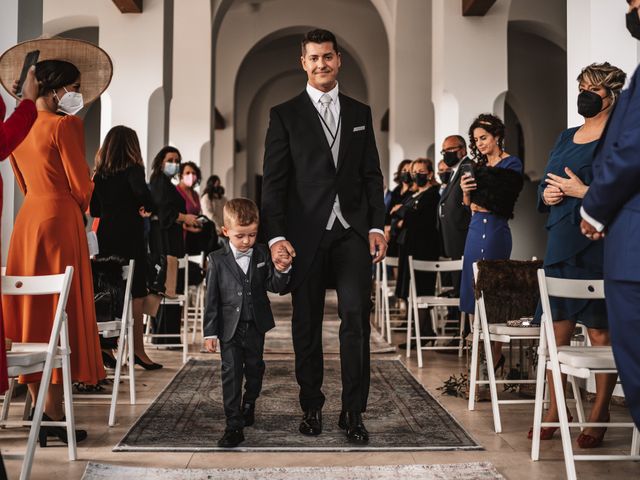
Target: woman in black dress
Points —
{"points": [[122, 200]]}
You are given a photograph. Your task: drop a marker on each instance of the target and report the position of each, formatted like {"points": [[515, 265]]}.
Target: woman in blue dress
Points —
{"points": [[569, 253], [489, 236]]}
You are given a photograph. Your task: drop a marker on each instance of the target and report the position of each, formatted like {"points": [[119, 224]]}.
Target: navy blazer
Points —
{"points": [[613, 198], [225, 292]]}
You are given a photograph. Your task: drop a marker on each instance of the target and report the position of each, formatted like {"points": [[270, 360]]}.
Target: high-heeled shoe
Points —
{"points": [[546, 433], [58, 432], [146, 366], [589, 441], [500, 365], [108, 360]]}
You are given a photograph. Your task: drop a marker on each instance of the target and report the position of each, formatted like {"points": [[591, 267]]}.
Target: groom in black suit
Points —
{"points": [[322, 201]]}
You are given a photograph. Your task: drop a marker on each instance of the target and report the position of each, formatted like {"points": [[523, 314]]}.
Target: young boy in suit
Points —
{"points": [[238, 313]]}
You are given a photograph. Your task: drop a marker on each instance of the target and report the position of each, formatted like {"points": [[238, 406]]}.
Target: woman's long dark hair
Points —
{"points": [[401, 165], [210, 188], [156, 166], [120, 150], [491, 124], [55, 74]]}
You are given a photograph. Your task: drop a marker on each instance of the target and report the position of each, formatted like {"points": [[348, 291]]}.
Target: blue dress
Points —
{"points": [[569, 253], [489, 238]]}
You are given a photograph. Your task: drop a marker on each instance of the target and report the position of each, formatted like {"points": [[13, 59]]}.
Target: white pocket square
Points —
{"points": [[261, 264], [358, 129]]}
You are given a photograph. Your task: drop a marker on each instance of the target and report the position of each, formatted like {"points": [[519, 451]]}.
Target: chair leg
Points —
{"points": [[68, 394], [567, 448], [493, 388], [26, 412], [116, 377], [409, 324], [475, 352], [416, 319], [131, 363], [538, 408], [387, 314], [576, 395], [463, 319], [185, 323], [6, 403], [635, 442]]}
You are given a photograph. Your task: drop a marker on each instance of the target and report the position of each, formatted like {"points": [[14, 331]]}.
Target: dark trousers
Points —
{"points": [[343, 259], [241, 359], [623, 312]]}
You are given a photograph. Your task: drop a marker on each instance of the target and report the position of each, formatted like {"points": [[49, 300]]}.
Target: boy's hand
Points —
{"points": [[283, 260], [211, 344]]}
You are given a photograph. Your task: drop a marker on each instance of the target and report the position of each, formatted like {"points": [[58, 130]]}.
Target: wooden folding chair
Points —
{"points": [[28, 358]]}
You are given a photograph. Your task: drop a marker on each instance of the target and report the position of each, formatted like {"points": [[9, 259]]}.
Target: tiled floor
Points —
{"points": [[509, 451]]}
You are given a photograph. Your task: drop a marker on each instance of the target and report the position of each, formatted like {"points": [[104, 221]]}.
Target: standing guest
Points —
{"points": [[404, 180], [444, 174], [121, 199], [491, 192], [190, 177], [241, 320], [213, 201], [323, 195], [612, 206], [48, 233], [418, 236], [569, 254]]}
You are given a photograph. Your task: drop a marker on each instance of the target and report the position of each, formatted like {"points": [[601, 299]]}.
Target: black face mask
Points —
{"points": [[445, 177], [633, 23], [589, 104], [421, 179], [405, 177], [450, 159]]}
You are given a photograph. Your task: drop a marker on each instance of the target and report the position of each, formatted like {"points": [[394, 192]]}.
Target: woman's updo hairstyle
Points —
{"points": [[604, 75], [55, 74], [491, 124]]}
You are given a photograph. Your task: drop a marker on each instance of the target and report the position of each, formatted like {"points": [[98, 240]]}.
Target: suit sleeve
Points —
{"points": [[212, 316], [619, 175], [95, 208], [16, 128], [372, 176], [277, 169], [70, 142]]}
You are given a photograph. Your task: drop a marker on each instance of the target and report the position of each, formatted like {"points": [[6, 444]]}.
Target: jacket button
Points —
{"points": [[484, 221], [249, 293], [239, 294], [237, 309]]}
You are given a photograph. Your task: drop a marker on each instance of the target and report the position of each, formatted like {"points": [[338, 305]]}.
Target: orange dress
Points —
{"points": [[48, 235]]}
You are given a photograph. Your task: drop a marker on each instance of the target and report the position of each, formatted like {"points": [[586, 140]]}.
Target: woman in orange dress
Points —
{"points": [[49, 233]]}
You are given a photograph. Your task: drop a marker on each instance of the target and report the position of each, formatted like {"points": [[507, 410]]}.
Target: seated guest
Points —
{"points": [[418, 235], [491, 191], [570, 254], [122, 200]]}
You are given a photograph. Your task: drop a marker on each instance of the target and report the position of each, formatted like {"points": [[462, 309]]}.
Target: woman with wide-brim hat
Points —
{"points": [[49, 233]]}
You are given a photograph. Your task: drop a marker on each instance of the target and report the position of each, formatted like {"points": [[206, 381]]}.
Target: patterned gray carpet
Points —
{"points": [[459, 471], [401, 415]]}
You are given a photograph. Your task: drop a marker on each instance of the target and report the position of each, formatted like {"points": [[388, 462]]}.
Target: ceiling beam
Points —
{"points": [[476, 8], [129, 6]]}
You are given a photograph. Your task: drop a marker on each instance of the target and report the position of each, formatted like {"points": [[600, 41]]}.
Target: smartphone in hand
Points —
{"points": [[30, 59], [467, 168]]}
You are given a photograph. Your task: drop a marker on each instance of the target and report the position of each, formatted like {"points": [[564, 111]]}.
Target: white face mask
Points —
{"points": [[70, 103]]}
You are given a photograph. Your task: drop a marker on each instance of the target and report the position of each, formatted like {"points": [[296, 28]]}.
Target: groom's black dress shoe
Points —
{"points": [[311, 423], [231, 439], [352, 423], [249, 414]]}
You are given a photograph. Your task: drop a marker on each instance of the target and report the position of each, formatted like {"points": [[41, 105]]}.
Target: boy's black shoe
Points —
{"points": [[231, 439], [248, 412]]}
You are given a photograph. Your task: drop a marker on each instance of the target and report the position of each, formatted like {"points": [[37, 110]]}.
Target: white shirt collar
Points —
{"points": [[315, 94]]}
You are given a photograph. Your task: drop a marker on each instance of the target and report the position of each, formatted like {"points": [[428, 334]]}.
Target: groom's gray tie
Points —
{"points": [[325, 101]]}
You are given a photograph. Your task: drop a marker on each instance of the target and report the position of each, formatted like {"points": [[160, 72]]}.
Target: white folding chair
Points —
{"points": [[123, 329], [580, 362], [387, 291], [182, 300], [195, 312], [28, 358], [431, 301]]}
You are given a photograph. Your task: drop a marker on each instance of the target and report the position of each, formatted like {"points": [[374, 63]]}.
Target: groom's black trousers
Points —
{"points": [[342, 260]]}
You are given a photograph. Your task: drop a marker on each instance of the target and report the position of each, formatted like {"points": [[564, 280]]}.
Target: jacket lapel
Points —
{"points": [[311, 114], [453, 180], [230, 262], [347, 115]]}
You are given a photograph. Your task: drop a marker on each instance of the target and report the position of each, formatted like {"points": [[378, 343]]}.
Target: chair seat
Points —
{"points": [[109, 326], [504, 329], [587, 357], [26, 354], [432, 301]]}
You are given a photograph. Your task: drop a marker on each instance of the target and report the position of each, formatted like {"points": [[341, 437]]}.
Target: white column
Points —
{"points": [[190, 113], [469, 66], [596, 32], [411, 128]]}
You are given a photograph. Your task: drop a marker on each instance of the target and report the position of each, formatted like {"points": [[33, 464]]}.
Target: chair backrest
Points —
{"points": [[199, 259], [391, 261], [435, 266], [127, 273]]}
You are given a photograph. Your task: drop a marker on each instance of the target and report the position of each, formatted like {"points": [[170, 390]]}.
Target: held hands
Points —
{"points": [[377, 246], [570, 187], [552, 195], [143, 213], [211, 345], [590, 231], [282, 254]]}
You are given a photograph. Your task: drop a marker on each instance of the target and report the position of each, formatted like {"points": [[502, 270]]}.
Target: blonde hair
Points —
{"points": [[604, 75], [240, 211]]}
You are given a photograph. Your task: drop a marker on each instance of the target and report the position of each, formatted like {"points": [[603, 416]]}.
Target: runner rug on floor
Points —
{"points": [[401, 414], [459, 471]]}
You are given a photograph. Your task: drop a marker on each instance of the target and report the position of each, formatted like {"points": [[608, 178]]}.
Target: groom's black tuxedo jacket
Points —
{"points": [[301, 180]]}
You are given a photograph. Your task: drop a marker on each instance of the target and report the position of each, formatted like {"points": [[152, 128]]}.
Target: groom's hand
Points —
{"points": [[377, 246], [280, 248]]}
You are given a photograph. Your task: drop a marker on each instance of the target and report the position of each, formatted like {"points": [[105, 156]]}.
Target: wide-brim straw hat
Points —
{"points": [[94, 63]]}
